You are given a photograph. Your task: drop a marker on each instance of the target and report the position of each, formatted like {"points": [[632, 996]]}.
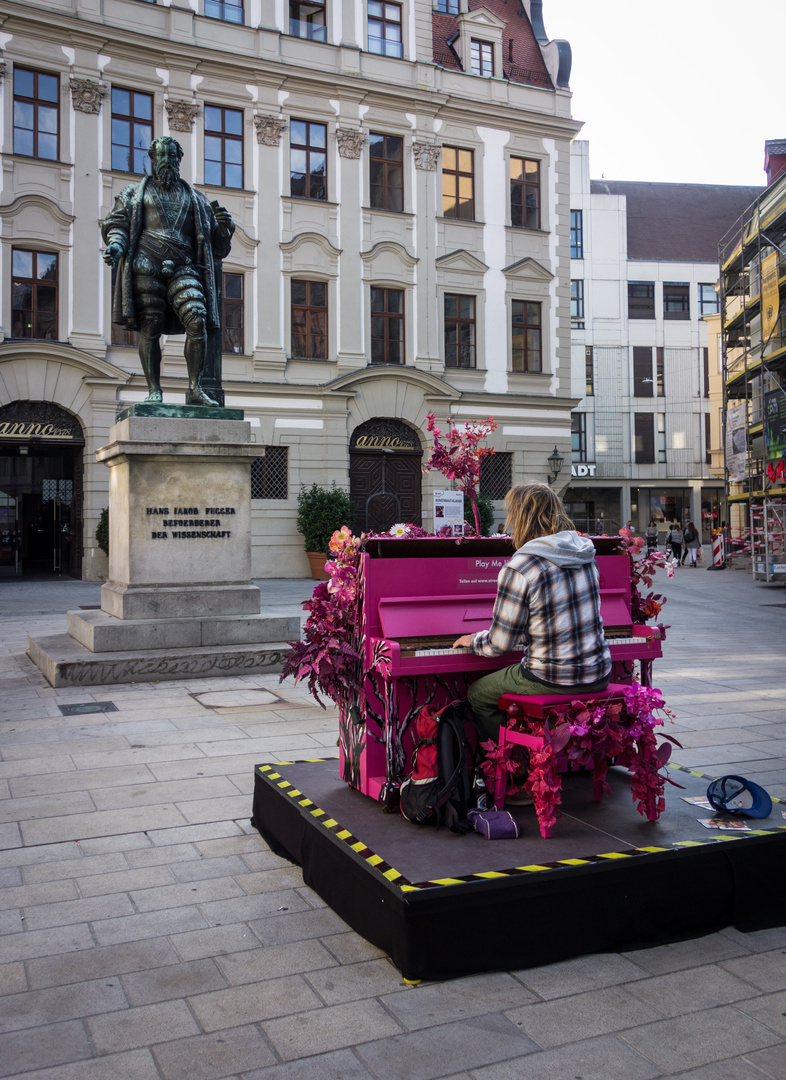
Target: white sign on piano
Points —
{"points": [[449, 510]]}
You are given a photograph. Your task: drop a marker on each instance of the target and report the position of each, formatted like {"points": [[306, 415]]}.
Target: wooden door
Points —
{"points": [[385, 488]]}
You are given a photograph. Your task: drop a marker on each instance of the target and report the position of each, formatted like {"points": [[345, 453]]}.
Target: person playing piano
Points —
{"points": [[548, 598]]}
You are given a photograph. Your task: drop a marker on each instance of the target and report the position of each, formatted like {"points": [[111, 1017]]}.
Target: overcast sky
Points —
{"points": [[675, 90]]}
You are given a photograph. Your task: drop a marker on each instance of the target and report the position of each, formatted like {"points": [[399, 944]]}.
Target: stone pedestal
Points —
{"points": [[179, 602]]}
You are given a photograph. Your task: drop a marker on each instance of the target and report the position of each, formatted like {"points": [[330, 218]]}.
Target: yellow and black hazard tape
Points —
{"points": [[377, 863]]}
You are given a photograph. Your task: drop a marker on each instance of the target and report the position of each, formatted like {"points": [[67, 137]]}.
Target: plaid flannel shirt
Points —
{"points": [[555, 612]]}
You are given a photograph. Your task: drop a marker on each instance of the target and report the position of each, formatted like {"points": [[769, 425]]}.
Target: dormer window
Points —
{"points": [[482, 58]]}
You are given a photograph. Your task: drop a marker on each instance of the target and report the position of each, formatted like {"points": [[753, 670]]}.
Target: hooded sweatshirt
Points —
{"points": [[548, 600]]}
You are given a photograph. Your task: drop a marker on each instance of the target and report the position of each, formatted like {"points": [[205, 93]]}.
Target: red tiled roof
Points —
{"points": [[522, 61]]}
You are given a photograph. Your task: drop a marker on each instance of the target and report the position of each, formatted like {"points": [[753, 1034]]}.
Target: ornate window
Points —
{"points": [[386, 171], [458, 183], [387, 326], [481, 58], [308, 159], [525, 193], [132, 130], [223, 146], [34, 295], [459, 331], [270, 474], [308, 19], [227, 10], [36, 114], [232, 314], [526, 336], [309, 315], [384, 28]]}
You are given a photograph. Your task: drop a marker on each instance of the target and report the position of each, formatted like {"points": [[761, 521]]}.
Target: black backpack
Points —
{"points": [[440, 787]]}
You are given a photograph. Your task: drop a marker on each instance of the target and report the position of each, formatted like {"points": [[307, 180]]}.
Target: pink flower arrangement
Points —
{"points": [[460, 457], [642, 572]]}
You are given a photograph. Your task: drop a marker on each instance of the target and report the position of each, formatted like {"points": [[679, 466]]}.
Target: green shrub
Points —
{"points": [[102, 531], [320, 511], [486, 512]]}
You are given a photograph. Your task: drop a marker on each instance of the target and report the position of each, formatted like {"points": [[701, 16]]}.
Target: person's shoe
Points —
{"points": [[155, 396], [521, 798], [197, 396]]}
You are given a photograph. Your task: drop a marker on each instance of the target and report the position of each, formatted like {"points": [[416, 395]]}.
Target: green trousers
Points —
{"points": [[484, 693]]}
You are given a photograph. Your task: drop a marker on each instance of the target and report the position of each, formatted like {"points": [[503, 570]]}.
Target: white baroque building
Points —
{"points": [[399, 175], [644, 267]]}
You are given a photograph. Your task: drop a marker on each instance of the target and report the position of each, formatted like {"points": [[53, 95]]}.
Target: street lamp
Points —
{"points": [[555, 461]]}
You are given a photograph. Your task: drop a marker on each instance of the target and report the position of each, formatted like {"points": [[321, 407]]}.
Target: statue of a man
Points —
{"points": [[164, 237]]}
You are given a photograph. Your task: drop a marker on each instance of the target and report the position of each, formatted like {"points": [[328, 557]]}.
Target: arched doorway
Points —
{"points": [[385, 474], [41, 490]]}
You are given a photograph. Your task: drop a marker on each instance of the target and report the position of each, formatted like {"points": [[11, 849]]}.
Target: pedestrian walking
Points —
{"points": [[674, 538], [692, 541], [651, 536]]}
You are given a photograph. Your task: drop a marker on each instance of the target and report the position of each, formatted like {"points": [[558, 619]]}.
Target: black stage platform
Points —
{"points": [[442, 905]]}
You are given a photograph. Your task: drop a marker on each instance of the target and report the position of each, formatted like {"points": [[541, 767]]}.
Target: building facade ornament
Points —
{"points": [[86, 95], [2, 69], [269, 129], [426, 155], [182, 114], [350, 142]]}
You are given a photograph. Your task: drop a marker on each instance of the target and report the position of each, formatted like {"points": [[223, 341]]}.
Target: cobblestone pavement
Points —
{"points": [[149, 934]]}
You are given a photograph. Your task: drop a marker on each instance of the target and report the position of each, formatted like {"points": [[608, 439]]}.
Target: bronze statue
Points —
{"points": [[165, 238]]}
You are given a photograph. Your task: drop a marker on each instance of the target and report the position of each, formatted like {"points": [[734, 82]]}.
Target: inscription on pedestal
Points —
{"points": [[196, 528]]}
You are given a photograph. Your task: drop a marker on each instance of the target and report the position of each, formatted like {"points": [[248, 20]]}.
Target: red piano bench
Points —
{"points": [[532, 713]]}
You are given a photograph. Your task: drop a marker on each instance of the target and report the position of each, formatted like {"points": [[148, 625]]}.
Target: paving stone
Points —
{"points": [[39, 1007], [296, 925], [438, 1051], [63, 939], [583, 973], [289, 877], [190, 834], [711, 949], [136, 1065], [697, 1038], [149, 925], [170, 856], [214, 1056], [258, 1001], [184, 894], [155, 792], [12, 979], [199, 869], [172, 981], [688, 991], [126, 881], [125, 842], [47, 893], [100, 961], [735, 1069], [604, 1058], [337, 1065], [215, 941], [78, 780], [769, 1009], [258, 908], [249, 846], [263, 859], [758, 940], [351, 948], [437, 1003], [84, 866], [772, 1061], [224, 809], [767, 971], [11, 876], [42, 916], [259, 964], [104, 823], [582, 1016], [11, 922], [143, 1026], [52, 1044]]}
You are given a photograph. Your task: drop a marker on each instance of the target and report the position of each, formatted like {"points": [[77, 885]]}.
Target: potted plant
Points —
{"points": [[320, 512]]}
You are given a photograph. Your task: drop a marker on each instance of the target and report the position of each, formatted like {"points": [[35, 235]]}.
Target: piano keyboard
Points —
{"points": [[458, 652]]}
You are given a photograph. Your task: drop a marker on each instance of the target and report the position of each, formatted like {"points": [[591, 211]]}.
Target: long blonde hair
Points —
{"points": [[534, 510]]}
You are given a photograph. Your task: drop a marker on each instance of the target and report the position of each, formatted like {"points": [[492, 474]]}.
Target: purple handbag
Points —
{"points": [[494, 824]]}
